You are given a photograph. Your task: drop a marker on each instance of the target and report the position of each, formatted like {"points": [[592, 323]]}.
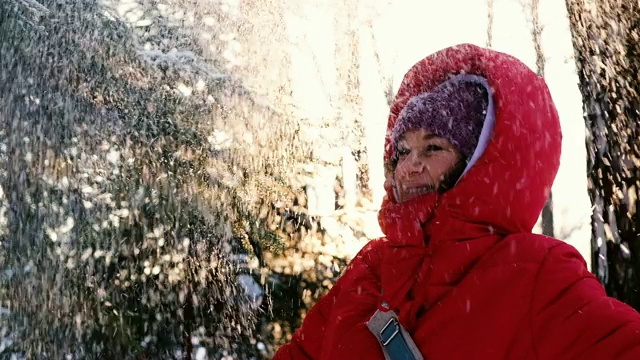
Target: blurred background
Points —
{"points": [[183, 179]]}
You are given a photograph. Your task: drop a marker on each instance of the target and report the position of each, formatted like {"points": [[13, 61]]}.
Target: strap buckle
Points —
{"points": [[387, 336], [395, 341]]}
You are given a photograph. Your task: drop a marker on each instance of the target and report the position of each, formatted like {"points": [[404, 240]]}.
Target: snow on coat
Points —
{"points": [[462, 269]]}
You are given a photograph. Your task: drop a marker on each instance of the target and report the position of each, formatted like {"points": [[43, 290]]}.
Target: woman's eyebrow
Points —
{"points": [[425, 137]]}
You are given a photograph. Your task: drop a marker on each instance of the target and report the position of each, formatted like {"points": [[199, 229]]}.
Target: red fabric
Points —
{"points": [[463, 271]]}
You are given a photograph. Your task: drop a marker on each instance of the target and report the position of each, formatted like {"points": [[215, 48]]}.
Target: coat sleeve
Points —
{"points": [[307, 341], [573, 318]]}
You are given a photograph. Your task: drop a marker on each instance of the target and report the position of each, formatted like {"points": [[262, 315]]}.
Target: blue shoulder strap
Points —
{"points": [[395, 341]]}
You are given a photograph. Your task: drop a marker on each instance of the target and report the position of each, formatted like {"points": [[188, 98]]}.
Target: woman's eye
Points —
{"points": [[433, 148], [403, 152]]}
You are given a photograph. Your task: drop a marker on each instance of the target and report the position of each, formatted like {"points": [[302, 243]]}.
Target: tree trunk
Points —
{"points": [[606, 39], [348, 99], [536, 35], [373, 87], [489, 23]]}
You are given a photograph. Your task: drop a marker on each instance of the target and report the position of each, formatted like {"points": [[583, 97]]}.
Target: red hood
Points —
{"points": [[506, 188]]}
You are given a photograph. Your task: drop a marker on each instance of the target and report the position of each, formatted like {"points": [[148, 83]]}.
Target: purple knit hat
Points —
{"points": [[455, 110]]}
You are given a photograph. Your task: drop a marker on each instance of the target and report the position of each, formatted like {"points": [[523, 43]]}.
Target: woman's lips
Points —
{"points": [[407, 193], [417, 189]]}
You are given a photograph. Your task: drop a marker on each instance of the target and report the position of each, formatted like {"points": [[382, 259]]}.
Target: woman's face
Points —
{"points": [[424, 161]]}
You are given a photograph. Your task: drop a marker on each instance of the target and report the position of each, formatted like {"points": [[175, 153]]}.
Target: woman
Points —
{"points": [[472, 149]]}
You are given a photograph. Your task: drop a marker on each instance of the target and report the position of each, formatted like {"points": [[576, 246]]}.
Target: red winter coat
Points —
{"points": [[462, 269]]}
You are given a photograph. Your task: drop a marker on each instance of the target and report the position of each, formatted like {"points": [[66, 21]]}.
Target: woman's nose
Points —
{"points": [[413, 166]]}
